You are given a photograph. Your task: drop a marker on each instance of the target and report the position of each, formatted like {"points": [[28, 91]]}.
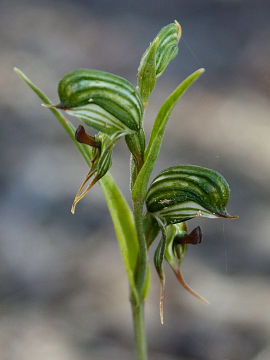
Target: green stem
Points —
{"points": [[139, 330], [141, 266], [141, 270], [140, 281]]}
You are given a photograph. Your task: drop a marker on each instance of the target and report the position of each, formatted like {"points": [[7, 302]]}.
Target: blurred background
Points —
{"points": [[63, 289]]}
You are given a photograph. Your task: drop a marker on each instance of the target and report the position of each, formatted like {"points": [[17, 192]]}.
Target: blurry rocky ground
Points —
{"points": [[63, 291]]}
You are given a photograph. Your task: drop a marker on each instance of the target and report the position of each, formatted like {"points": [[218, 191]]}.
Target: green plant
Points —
{"points": [[115, 108]]}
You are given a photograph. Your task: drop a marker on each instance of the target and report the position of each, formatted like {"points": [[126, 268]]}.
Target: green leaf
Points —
{"points": [[120, 212], [124, 226], [153, 148], [165, 111]]}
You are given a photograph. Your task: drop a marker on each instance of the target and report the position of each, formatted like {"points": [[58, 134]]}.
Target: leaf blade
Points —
{"points": [[167, 107], [153, 148], [128, 249], [124, 226]]}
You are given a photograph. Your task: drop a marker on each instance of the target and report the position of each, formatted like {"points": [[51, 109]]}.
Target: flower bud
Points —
{"points": [[146, 77], [167, 49], [156, 58]]}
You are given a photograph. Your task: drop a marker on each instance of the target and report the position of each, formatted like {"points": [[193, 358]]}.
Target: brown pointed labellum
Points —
{"points": [[82, 137]]}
